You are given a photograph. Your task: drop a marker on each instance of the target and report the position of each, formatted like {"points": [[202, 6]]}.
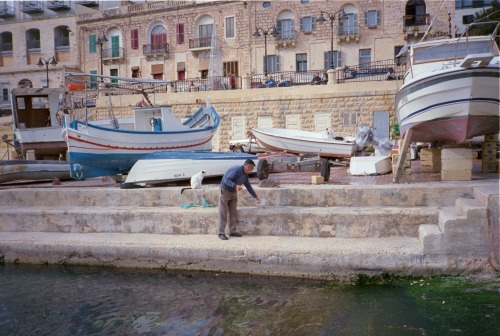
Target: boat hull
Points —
{"points": [[299, 142], [33, 170], [100, 151], [451, 106], [168, 166]]}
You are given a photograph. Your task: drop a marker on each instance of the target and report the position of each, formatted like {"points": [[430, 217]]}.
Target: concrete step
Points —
{"points": [[266, 255], [289, 195], [346, 222], [470, 208]]}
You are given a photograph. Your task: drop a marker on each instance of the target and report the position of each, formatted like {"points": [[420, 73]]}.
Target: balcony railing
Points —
{"points": [[155, 49], [32, 7], [289, 78], [62, 43], [348, 30], [374, 71], [87, 3], [58, 5], [113, 53], [33, 45], [202, 42], [5, 49], [6, 11]]}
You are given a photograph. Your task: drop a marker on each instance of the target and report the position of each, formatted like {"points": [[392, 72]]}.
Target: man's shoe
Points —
{"points": [[235, 234], [223, 236]]}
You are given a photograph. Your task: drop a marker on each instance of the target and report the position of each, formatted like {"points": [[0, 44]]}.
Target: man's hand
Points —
{"points": [[239, 187], [257, 198]]}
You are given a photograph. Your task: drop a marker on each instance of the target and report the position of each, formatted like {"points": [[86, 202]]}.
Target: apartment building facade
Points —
{"points": [[172, 40]]}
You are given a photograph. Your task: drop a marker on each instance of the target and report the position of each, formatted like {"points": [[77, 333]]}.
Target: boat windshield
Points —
{"points": [[450, 51]]}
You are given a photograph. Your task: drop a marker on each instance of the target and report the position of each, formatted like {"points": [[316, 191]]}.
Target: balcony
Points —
{"points": [[113, 55], [286, 38], [58, 5], [7, 11], [87, 3], [348, 33], [32, 7], [200, 44], [156, 49]]}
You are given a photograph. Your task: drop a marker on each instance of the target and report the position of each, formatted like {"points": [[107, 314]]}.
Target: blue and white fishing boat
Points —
{"points": [[102, 151], [168, 166]]}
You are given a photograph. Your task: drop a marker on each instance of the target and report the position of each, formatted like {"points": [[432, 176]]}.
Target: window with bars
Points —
{"points": [[230, 68], [179, 33], [230, 27], [349, 119], [134, 39]]}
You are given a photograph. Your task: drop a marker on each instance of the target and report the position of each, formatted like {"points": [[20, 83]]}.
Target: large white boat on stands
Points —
{"points": [[169, 166], [102, 151], [451, 89], [294, 141]]}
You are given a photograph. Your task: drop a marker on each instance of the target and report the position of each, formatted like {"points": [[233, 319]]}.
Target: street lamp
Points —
{"points": [[321, 19], [271, 30], [100, 41], [42, 61]]}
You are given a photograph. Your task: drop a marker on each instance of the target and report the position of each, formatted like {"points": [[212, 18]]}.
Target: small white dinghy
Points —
{"points": [[169, 166]]}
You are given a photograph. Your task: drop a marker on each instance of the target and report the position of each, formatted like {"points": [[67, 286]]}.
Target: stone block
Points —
{"points": [[456, 164], [489, 144], [456, 153], [490, 167], [456, 175], [317, 180]]}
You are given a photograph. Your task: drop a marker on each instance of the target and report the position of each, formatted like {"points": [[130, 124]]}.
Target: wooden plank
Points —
{"points": [[402, 157]]}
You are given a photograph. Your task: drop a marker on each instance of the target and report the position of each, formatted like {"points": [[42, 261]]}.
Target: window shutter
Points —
{"points": [[313, 23], [302, 28], [366, 18], [277, 63], [134, 39], [339, 59], [378, 18], [179, 28], [92, 46]]}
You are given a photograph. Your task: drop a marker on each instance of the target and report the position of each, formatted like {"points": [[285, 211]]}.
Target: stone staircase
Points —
{"points": [[317, 231]]}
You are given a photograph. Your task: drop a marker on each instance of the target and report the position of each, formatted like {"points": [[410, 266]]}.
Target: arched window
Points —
{"points": [[33, 40], [158, 38], [61, 38], [6, 43], [203, 31], [415, 13], [286, 25], [25, 83]]}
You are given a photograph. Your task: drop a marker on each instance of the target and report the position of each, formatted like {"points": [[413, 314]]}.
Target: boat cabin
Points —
{"points": [[37, 123], [156, 119]]}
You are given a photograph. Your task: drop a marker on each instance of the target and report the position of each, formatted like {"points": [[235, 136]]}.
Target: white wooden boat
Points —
{"points": [[101, 151], [294, 141], [33, 170], [451, 89], [168, 166]]}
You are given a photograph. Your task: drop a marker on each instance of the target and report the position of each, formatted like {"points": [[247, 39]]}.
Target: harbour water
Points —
{"points": [[62, 300]]}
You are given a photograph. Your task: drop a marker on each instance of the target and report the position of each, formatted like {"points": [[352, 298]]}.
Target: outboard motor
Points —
{"points": [[364, 137]]}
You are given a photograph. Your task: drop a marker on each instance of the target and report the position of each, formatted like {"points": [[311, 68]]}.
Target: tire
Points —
{"points": [[262, 169], [325, 170], [238, 149]]}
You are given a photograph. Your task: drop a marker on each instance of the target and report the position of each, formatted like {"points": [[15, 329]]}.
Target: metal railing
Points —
{"points": [[289, 78], [155, 49], [207, 84], [374, 71], [113, 53], [203, 42]]}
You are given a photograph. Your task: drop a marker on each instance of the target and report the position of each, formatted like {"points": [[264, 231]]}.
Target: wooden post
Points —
{"points": [[402, 155]]}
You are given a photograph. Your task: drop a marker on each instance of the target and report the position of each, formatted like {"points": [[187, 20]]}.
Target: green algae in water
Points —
{"points": [[38, 300]]}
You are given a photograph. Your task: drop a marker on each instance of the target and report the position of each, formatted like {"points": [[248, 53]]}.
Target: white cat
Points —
{"points": [[196, 180]]}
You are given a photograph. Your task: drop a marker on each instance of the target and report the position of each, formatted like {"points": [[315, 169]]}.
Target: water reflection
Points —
{"points": [[57, 300]]}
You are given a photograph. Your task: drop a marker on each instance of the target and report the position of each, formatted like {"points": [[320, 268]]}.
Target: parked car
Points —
{"points": [[247, 146]]}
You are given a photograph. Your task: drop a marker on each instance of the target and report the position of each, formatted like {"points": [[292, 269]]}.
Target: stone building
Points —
{"points": [[172, 39]]}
